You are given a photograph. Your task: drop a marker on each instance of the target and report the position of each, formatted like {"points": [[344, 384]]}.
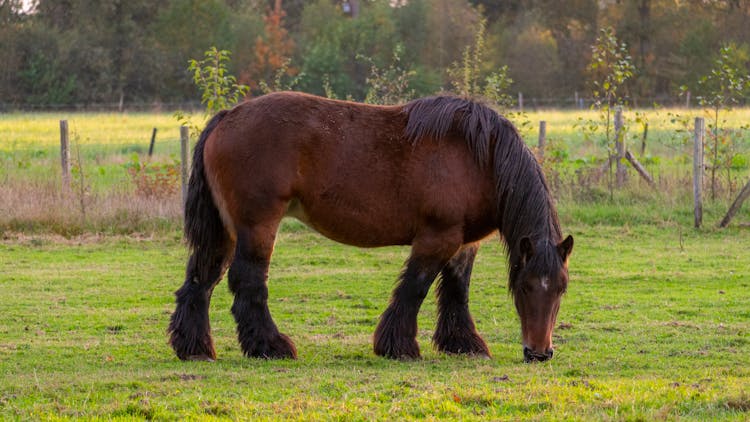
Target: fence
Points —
{"points": [[524, 102], [621, 158]]}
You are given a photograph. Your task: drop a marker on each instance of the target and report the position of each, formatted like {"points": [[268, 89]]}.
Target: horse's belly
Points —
{"points": [[350, 226]]}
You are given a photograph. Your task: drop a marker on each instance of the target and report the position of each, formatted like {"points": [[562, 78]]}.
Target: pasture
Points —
{"points": [[31, 140], [105, 145], [654, 325]]}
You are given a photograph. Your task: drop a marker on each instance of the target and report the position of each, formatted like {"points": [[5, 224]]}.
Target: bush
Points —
{"points": [[153, 180]]}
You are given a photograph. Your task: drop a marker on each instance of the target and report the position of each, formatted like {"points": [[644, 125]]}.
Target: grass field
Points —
{"points": [[105, 146], [655, 326], [112, 133], [106, 142]]}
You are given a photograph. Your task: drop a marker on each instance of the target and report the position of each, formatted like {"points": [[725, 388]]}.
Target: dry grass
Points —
{"points": [[41, 207]]}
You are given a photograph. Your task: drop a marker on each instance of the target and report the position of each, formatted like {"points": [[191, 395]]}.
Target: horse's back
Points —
{"points": [[344, 168]]}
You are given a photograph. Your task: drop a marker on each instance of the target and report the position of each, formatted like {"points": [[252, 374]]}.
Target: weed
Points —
{"points": [[153, 180]]}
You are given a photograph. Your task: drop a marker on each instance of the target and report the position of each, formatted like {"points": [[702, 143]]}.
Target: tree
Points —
{"points": [[10, 38], [720, 89], [184, 29], [107, 45], [610, 67], [532, 57], [573, 24], [332, 41], [272, 51]]}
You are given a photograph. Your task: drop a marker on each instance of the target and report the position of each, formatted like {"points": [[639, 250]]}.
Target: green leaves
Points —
{"points": [[722, 87], [727, 81], [610, 67], [465, 77], [390, 85], [219, 89], [467, 81]]}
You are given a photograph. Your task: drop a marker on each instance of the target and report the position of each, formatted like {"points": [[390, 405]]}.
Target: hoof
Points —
{"points": [[469, 345], [404, 349], [277, 347], [190, 349], [200, 358]]}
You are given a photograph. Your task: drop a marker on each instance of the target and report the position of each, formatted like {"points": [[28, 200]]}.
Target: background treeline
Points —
{"points": [[134, 52]]}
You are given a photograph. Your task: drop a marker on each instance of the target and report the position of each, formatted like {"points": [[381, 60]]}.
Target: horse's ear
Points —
{"points": [[565, 248], [526, 248]]}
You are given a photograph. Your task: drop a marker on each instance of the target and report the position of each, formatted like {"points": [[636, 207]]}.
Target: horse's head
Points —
{"points": [[538, 279]]}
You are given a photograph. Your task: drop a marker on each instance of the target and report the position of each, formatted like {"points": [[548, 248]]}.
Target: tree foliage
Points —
{"points": [[219, 89], [273, 51], [84, 52]]}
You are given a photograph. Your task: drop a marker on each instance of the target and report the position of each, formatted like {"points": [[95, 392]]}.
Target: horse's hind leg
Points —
{"points": [[189, 328], [248, 274], [455, 331], [396, 334]]}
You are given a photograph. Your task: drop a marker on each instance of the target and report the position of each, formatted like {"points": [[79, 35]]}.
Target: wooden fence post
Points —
{"points": [[698, 139], [542, 140], [520, 102], [184, 143], [621, 172], [736, 205], [151, 145], [65, 155]]}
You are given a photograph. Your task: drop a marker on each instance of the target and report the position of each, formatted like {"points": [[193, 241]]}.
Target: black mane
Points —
{"points": [[524, 204]]}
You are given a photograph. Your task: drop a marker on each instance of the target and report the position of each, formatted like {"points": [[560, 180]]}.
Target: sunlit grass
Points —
{"points": [[21, 131], [104, 145], [41, 130], [666, 135], [654, 326]]}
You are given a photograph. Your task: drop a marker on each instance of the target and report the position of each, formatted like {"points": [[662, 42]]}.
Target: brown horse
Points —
{"points": [[439, 174]]}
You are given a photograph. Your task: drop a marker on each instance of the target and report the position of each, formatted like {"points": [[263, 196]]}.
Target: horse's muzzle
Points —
{"points": [[531, 356]]}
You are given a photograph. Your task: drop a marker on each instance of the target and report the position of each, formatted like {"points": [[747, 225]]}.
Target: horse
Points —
{"points": [[440, 174]]}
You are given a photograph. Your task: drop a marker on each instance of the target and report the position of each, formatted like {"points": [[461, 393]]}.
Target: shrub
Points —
{"points": [[152, 180]]}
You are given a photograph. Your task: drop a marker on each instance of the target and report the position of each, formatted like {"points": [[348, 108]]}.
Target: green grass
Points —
{"points": [[665, 137], [655, 325], [106, 142], [29, 142]]}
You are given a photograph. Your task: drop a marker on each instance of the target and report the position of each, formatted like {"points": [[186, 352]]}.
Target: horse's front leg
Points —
{"points": [[455, 331], [257, 332], [396, 334]]}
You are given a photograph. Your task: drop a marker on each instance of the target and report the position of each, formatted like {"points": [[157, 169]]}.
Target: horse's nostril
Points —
{"points": [[550, 353]]}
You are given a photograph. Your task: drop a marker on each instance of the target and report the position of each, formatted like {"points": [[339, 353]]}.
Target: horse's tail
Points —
{"points": [[204, 231]]}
